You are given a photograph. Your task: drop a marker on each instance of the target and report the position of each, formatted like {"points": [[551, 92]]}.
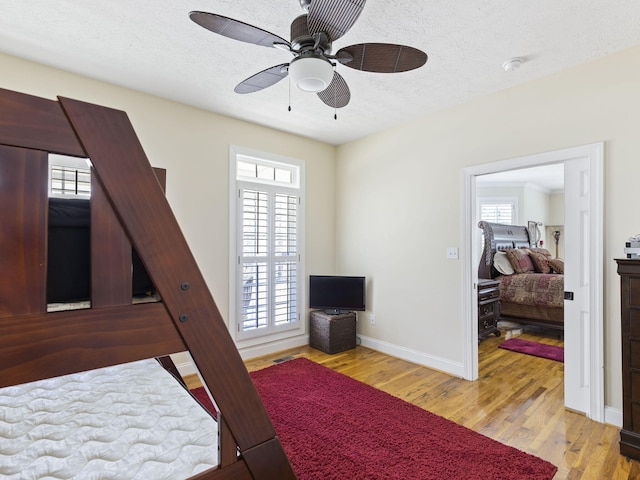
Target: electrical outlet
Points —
{"points": [[452, 253], [372, 319]]}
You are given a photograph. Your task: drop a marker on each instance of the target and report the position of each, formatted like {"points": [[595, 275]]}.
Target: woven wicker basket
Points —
{"points": [[332, 333]]}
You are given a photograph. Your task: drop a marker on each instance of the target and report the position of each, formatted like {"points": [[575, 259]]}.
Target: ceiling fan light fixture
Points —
{"points": [[311, 74], [312, 35]]}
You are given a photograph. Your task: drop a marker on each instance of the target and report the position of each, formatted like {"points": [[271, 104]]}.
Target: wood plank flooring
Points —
{"points": [[518, 400]]}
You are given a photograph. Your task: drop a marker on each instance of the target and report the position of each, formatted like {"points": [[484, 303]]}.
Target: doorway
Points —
{"points": [[584, 358]]}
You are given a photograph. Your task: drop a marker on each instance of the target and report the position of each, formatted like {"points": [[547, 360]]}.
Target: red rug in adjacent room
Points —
{"points": [[333, 427], [543, 350]]}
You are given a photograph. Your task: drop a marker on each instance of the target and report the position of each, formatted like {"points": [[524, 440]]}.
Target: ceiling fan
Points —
{"points": [[312, 34]]}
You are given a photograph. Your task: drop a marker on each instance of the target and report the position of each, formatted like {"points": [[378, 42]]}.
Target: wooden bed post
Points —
{"points": [[23, 232], [188, 318], [486, 259]]}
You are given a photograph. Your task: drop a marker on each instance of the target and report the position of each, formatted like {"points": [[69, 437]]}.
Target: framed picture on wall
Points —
{"points": [[534, 232]]}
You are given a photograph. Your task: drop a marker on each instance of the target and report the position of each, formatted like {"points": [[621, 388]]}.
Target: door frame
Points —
{"points": [[593, 360]]}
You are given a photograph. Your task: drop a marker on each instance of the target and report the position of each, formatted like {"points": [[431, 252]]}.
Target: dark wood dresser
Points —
{"points": [[488, 307], [629, 271]]}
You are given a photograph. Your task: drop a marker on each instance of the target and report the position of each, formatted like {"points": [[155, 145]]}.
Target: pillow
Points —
{"points": [[541, 262], [520, 260], [556, 265], [543, 251], [502, 264]]}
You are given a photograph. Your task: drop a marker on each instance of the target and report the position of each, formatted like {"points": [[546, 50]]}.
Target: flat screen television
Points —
{"points": [[334, 293]]}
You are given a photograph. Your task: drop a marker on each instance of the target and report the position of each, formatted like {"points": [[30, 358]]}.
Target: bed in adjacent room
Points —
{"points": [[531, 280]]}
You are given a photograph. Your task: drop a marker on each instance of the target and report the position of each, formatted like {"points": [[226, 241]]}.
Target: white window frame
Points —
{"points": [[513, 201], [295, 187]]}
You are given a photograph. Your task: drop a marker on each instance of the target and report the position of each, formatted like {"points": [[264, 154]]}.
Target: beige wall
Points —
{"points": [[536, 207], [556, 222], [556, 209], [400, 195], [193, 145]]}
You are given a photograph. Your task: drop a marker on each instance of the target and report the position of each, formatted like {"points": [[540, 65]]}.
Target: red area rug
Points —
{"points": [[552, 352], [335, 428]]}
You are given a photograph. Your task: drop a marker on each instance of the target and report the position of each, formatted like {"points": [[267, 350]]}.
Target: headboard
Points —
{"points": [[499, 237]]}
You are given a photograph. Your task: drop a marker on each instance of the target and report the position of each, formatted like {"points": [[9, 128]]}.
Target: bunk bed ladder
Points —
{"points": [[128, 208]]}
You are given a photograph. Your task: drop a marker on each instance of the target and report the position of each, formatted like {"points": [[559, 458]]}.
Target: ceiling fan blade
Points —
{"points": [[263, 79], [382, 57], [333, 17], [235, 29], [337, 94]]}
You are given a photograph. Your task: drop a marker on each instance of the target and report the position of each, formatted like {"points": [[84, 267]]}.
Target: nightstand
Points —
{"points": [[488, 307]]}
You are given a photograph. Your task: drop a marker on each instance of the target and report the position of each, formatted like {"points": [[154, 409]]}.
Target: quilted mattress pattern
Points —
{"points": [[131, 421]]}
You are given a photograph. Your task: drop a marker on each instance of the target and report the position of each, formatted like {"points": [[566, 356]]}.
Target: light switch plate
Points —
{"points": [[452, 253]]}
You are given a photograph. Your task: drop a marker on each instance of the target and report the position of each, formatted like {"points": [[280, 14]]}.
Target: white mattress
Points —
{"points": [[132, 421]]}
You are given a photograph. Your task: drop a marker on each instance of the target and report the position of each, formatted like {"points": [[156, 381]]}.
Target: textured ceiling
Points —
{"points": [[154, 47]]}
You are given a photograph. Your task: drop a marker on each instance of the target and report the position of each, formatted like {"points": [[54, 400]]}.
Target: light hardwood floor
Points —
{"points": [[518, 400]]}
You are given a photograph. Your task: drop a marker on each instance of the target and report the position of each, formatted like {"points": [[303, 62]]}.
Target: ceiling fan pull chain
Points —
{"points": [[289, 93], [335, 98]]}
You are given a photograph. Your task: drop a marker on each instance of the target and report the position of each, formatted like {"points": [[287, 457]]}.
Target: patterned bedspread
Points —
{"points": [[538, 289]]}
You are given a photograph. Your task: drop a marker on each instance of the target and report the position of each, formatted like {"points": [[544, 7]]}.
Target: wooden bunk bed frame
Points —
{"points": [[128, 207]]}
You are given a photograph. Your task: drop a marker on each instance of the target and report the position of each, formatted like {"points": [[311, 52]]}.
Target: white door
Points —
{"points": [[584, 348], [577, 339]]}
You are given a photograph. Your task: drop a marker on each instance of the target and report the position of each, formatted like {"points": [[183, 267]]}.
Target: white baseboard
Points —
{"points": [[414, 356], [613, 416], [247, 353], [254, 351]]}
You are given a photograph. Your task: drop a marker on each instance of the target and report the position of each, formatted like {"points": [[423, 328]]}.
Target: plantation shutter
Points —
{"points": [[502, 212], [254, 260], [269, 258], [285, 245]]}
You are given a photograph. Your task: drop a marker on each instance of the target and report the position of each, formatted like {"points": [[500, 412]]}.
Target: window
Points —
{"points": [[498, 210], [69, 177], [269, 223]]}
